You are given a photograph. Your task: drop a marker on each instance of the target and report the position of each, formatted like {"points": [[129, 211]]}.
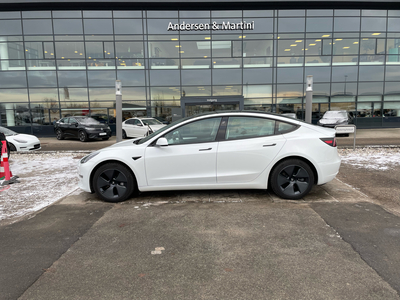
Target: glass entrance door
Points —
{"points": [[197, 108]]}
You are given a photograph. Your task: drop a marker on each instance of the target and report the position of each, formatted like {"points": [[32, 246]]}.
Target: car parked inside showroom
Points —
{"points": [[81, 127], [140, 127], [19, 141], [217, 150]]}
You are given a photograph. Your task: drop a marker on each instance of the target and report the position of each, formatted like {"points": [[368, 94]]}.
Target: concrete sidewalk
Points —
{"points": [[364, 137]]}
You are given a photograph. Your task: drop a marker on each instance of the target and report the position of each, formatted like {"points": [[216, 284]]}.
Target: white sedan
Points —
{"points": [[19, 141], [140, 127], [219, 150]]}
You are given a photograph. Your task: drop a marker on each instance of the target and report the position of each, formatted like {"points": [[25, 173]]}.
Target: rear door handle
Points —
{"points": [[269, 145], [205, 149]]}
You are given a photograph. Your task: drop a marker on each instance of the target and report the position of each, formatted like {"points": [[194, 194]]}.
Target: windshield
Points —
{"points": [[7, 131], [151, 122], [88, 121], [335, 114]]}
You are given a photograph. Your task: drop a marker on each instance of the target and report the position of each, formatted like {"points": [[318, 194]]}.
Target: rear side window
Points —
{"points": [[282, 127], [249, 127]]}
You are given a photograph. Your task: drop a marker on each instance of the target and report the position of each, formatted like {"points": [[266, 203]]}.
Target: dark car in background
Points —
{"points": [[332, 118], [81, 127]]}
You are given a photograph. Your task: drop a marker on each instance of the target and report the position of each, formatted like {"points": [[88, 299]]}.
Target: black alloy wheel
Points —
{"points": [[113, 182], [292, 179], [59, 134], [82, 136]]}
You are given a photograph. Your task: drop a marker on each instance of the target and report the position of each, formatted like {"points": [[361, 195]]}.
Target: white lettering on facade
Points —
{"points": [[207, 26]]}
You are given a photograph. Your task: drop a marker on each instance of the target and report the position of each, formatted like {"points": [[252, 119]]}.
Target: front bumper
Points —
{"points": [[97, 134], [29, 146]]}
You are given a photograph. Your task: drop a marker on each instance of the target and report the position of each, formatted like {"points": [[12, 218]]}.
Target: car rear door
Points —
{"points": [[249, 146]]}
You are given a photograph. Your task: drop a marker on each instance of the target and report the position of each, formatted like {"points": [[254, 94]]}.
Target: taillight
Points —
{"points": [[329, 141]]}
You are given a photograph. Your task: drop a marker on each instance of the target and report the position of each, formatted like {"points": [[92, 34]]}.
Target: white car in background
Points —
{"points": [[19, 141], [140, 127], [218, 150]]}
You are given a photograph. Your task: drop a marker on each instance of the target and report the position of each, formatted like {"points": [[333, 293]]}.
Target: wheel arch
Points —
{"points": [[104, 163], [309, 163]]}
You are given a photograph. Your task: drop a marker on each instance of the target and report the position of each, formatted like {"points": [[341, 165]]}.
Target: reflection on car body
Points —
{"points": [[218, 150]]}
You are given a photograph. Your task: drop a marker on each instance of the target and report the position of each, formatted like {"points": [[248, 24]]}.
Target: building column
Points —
{"points": [[4, 54], [10, 117]]}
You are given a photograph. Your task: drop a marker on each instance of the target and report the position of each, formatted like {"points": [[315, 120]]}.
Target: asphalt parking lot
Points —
{"points": [[337, 243]]}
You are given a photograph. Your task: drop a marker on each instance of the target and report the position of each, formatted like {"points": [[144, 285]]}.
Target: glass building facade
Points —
{"points": [[177, 63]]}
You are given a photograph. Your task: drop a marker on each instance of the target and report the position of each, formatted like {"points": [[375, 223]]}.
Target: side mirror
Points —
{"points": [[162, 142], [139, 124]]}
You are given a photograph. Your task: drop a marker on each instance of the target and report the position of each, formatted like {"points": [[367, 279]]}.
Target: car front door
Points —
{"points": [[189, 159], [249, 147], [128, 127]]}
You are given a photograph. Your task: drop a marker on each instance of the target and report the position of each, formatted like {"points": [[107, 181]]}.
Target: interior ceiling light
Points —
{"points": [[339, 40], [178, 46], [287, 49], [311, 44], [242, 37], [174, 39], [377, 33], [326, 35], [76, 51], [355, 43], [207, 38], [317, 40], [346, 47], [293, 45], [299, 41]]}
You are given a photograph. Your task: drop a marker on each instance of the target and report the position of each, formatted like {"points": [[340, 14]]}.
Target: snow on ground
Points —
{"points": [[46, 177], [376, 158]]}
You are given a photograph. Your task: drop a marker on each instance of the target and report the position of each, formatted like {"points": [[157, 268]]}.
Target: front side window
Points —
{"points": [[196, 132], [249, 127]]}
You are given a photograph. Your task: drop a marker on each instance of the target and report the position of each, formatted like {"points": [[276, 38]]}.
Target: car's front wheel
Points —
{"points": [[82, 136], [59, 134], [292, 179], [113, 182]]}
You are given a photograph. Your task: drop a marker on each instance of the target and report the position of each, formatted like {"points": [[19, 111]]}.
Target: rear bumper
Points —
{"points": [[328, 170]]}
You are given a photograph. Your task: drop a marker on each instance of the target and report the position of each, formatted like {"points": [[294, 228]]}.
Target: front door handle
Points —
{"points": [[205, 149], [269, 145]]}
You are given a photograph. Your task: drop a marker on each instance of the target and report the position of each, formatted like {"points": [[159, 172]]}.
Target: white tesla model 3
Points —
{"points": [[219, 150]]}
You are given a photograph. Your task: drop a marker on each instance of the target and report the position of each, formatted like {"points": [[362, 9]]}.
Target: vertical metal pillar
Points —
{"points": [[309, 96], [118, 110]]}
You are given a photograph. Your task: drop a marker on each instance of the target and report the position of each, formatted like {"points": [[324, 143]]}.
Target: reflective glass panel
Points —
{"points": [[98, 26], [42, 79], [319, 24], [128, 26], [72, 78], [196, 77], [164, 77], [101, 78], [291, 25], [67, 26], [290, 75], [230, 76], [257, 76], [131, 77], [347, 24], [371, 73], [10, 27], [370, 88], [38, 26]]}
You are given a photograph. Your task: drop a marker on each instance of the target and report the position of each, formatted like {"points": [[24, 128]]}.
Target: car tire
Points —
{"points": [[11, 148], [59, 134], [113, 182], [292, 179], [124, 134], [82, 136]]}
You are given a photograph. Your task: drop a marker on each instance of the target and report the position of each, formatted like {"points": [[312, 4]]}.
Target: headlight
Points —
{"points": [[89, 128], [89, 157], [108, 127], [20, 141]]}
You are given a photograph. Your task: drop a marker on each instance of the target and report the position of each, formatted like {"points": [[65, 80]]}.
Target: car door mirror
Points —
{"points": [[139, 124], [162, 142], [74, 124]]}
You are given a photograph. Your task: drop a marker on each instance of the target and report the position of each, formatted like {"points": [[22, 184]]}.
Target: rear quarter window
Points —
{"points": [[283, 127]]}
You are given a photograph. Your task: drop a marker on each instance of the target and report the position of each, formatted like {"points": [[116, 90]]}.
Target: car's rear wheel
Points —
{"points": [[82, 136], [292, 179], [113, 182], [59, 134]]}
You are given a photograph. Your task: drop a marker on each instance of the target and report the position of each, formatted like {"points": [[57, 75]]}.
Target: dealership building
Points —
{"points": [[179, 58]]}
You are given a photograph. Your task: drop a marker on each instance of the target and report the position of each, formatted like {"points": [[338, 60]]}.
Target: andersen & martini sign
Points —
{"points": [[210, 26]]}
